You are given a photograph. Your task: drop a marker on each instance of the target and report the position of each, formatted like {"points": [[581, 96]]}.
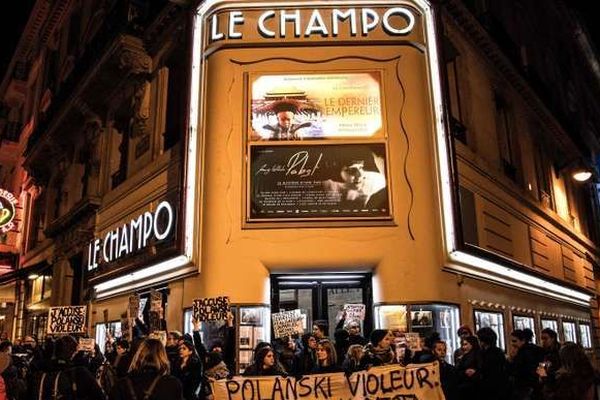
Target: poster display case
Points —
{"points": [[525, 322], [317, 148], [551, 324], [569, 331], [586, 336], [491, 319]]}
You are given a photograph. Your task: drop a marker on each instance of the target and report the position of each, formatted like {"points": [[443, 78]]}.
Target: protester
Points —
{"points": [[265, 363], [379, 350], [320, 328], [573, 380], [353, 357], [174, 339], [4, 364], [63, 379], [148, 376], [494, 370], [188, 370], [524, 358], [551, 347], [468, 369], [463, 332], [307, 358], [448, 375], [326, 358]]}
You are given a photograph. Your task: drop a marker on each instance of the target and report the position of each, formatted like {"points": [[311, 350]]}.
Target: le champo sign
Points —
{"points": [[149, 227]]}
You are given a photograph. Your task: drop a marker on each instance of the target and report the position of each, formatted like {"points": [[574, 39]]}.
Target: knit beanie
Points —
{"points": [[377, 336]]}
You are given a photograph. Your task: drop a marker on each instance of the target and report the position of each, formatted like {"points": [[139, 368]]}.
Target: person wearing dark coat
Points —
{"points": [[148, 375], [307, 358], [448, 377], [551, 347], [468, 370], [73, 382], [265, 364], [524, 358], [575, 379], [494, 369], [188, 370], [379, 350]]}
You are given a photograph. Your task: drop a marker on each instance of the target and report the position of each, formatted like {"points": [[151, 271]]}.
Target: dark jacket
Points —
{"points": [[327, 370], [494, 374], [375, 358], [253, 370], [449, 380], [167, 387], [73, 383], [469, 386], [307, 360], [523, 368], [190, 377]]}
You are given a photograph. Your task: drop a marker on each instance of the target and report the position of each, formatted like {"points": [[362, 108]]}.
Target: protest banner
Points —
{"points": [[355, 312], [66, 319], [415, 382], [87, 344], [286, 323], [211, 308]]}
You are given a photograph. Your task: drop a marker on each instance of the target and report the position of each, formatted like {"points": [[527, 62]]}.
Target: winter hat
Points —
{"points": [[213, 359], [4, 361], [377, 336]]}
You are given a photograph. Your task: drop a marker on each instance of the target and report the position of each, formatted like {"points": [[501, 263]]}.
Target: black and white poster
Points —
{"points": [[318, 181]]}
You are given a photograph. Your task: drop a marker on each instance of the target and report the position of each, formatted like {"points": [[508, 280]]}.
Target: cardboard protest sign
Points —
{"points": [[156, 298], [134, 306], [211, 308], [126, 329], [140, 313], [286, 323], [415, 382], [355, 312], [66, 319], [87, 344]]}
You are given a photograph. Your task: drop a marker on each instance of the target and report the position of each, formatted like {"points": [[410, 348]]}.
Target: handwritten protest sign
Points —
{"points": [[87, 344], [286, 323], [134, 306], [211, 308], [355, 312], [126, 328], [415, 382], [66, 319]]}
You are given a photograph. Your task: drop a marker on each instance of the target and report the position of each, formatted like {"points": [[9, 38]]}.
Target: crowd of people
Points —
{"points": [[146, 369]]}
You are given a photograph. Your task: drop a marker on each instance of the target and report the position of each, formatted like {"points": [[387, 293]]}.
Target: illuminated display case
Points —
{"points": [[491, 319], [569, 331], [586, 336]]}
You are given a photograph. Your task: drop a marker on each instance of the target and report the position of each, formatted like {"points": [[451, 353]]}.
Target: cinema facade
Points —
{"points": [[296, 155]]}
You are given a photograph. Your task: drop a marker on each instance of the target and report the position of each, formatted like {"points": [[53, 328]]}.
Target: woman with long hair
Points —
{"points": [[573, 380], [188, 369], [353, 356], [326, 358], [148, 376], [265, 363], [468, 369]]}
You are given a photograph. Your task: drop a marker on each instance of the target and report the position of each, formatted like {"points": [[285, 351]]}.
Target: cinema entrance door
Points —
{"points": [[322, 296]]}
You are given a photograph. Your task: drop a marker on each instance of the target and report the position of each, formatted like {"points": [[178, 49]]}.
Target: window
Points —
{"points": [[586, 336], [524, 322], [451, 55], [543, 170], [494, 320], [507, 144], [569, 332], [176, 66]]}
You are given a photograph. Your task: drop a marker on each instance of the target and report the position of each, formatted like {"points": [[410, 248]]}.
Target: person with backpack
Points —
{"points": [[63, 380], [148, 376]]}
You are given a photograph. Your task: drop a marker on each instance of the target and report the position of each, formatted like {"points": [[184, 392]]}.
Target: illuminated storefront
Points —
{"points": [[318, 173]]}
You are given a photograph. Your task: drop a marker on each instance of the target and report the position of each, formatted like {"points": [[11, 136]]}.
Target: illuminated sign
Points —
{"points": [[133, 236], [8, 201], [396, 21]]}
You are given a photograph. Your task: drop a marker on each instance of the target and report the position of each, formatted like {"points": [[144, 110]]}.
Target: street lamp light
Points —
{"points": [[581, 174]]}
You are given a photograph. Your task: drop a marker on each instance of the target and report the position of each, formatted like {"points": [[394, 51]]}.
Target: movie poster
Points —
{"points": [[318, 181], [316, 106]]}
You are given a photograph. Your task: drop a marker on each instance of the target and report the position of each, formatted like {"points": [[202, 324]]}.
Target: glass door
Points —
{"points": [[322, 297]]}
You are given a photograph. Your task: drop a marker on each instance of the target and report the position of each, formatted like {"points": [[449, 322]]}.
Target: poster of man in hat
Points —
{"points": [[316, 106]]}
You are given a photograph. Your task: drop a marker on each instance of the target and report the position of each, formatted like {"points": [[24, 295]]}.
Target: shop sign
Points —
{"points": [[8, 203], [395, 21], [137, 234]]}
